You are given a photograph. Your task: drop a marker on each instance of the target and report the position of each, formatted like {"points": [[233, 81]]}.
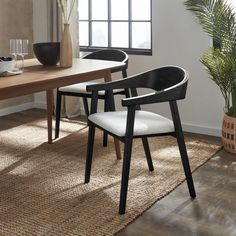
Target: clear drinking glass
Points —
{"points": [[13, 49], [25, 45], [22, 50], [18, 46]]}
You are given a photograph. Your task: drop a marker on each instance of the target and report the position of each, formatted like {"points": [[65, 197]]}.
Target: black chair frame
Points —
{"points": [[109, 55], [170, 84]]}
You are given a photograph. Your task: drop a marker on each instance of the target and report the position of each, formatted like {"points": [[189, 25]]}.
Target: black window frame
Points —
{"points": [[129, 50]]}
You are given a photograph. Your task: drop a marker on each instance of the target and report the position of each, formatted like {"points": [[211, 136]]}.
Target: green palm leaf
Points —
{"points": [[218, 20]]}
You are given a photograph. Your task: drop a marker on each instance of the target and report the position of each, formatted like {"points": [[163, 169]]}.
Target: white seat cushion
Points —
{"points": [[81, 88], [146, 123]]}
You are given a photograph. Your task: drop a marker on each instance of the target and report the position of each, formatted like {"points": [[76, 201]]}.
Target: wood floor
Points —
{"points": [[212, 213]]}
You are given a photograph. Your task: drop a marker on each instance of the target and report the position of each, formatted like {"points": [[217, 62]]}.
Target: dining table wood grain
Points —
{"points": [[38, 78]]}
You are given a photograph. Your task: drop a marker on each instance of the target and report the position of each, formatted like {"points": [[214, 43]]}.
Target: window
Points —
{"points": [[123, 24]]}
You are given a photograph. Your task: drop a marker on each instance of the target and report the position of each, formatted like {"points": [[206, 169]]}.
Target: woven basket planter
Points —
{"points": [[229, 133]]}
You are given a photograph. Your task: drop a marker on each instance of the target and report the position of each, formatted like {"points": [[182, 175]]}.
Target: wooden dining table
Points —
{"points": [[38, 78]]}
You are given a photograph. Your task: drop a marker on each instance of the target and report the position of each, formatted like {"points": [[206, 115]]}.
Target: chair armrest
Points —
{"points": [[156, 97]]}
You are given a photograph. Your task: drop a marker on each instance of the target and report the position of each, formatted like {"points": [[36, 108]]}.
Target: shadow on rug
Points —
{"points": [[42, 190]]}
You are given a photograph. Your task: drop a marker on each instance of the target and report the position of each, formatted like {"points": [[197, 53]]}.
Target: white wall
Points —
{"points": [[40, 34], [40, 21], [15, 22], [178, 40]]}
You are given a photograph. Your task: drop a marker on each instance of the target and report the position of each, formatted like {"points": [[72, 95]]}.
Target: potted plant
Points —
{"points": [[218, 20]]}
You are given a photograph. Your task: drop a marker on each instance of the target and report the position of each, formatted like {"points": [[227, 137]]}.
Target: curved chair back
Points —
{"points": [[168, 78], [111, 55]]}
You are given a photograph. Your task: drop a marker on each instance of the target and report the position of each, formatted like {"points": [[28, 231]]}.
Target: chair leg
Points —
{"points": [[105, 136], [182, 148], [86, 107], [185, 163], [89, 157], [147, 153], [125, 175], [58, 114], [127, 158]]}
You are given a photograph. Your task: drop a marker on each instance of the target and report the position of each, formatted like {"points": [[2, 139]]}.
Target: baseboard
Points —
{"points": [[213, 131], [18, 108], [43, 105], [40, 105]]}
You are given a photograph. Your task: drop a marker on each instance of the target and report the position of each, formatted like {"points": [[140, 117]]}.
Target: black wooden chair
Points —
{"points": [[170, 84], [79, 90]]}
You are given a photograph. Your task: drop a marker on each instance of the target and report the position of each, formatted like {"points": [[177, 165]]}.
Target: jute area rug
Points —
{"points": [[42, 190]]}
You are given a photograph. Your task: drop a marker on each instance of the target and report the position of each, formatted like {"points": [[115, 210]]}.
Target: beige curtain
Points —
{"points": [[71, 106]]}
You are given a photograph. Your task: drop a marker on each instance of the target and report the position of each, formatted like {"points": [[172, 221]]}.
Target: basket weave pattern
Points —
{"points": [[229, 133]]}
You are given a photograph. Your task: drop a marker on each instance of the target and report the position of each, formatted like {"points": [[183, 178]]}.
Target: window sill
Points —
{"points": [[147, 52]]}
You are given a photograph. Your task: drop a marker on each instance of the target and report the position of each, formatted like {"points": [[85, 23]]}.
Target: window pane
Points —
{"points": [[100, 34], [99, 10], [119, 9], [127, 18], [141, 10], [141, 35], [83, 34], [83, 9], [119, 34]]}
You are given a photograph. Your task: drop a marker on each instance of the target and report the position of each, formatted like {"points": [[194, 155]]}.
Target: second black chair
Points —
{"points": [[79, 90]]}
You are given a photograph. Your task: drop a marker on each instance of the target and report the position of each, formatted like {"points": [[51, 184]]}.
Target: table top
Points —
{"points": [[37, 78]]}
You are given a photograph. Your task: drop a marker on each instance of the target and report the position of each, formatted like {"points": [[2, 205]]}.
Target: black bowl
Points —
{"points": [[47, 53]]}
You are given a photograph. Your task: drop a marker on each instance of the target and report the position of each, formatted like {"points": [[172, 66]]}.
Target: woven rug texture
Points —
{"points": [[42, 190]]}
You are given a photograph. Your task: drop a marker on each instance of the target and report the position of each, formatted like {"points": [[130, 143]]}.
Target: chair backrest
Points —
{"points": [[167, 77], [111, 55], [172, 78]]}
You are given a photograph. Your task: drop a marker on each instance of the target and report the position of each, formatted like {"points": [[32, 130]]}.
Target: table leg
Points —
{"points": [[107, 78], [49, 114], [117, 147]]}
